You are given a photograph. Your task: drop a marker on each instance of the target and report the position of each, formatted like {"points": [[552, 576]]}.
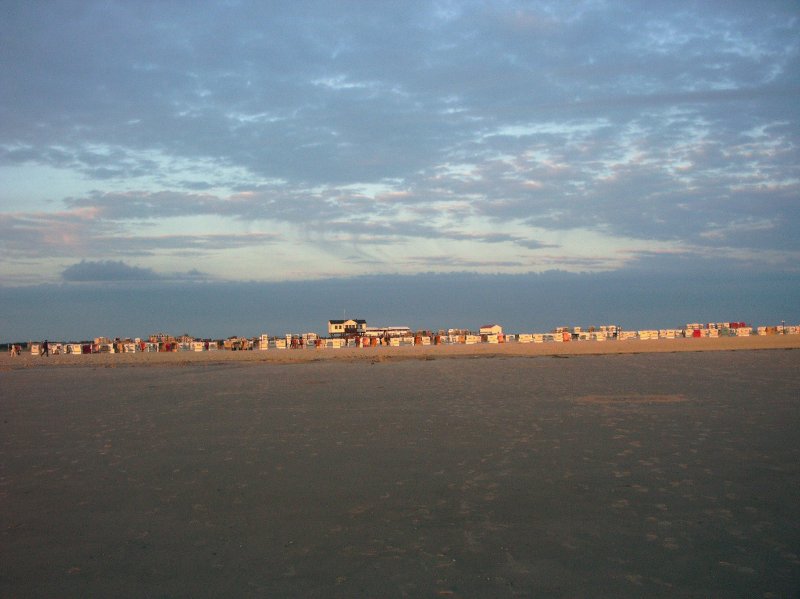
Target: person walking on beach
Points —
{"points": [[45, 348]]}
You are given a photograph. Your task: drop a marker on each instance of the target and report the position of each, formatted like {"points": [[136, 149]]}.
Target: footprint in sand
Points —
{"points": [[670, 543]]}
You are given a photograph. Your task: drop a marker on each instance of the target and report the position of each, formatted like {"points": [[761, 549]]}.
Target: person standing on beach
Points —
{"points": [[45, 348]]}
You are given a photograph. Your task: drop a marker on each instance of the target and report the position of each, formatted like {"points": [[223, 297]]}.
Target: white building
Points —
{"points": [[382, 332], [491, 329], [343, 328]]}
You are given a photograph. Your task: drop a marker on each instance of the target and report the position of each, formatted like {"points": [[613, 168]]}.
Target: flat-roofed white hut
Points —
{"points": [[491, 329]]}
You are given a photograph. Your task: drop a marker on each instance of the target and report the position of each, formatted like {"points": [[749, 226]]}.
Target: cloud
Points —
{"points": [[107, 270], [45, 234], [478, 126]]}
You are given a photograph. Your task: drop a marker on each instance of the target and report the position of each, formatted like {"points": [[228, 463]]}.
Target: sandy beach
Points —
{"points": [[640, 468], [428, 352]]}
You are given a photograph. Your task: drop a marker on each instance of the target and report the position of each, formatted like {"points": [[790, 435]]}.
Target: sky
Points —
{"points": [[472, 157]]}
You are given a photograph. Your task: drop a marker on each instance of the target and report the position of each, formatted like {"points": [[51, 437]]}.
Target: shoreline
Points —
{"points": [[385, 354]]}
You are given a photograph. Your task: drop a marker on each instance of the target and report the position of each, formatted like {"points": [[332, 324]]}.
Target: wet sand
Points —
{"points": [[488, 474]]}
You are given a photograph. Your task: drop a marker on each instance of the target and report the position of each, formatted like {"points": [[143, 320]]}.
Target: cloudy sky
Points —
{"points": [[231, 142]]}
